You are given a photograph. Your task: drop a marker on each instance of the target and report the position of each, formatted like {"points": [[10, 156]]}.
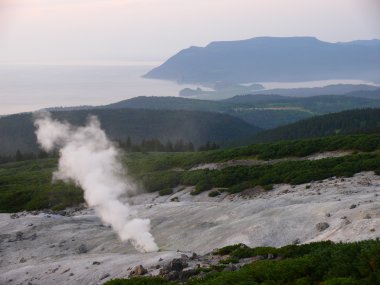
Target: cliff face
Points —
{"points": [[272, 59]]}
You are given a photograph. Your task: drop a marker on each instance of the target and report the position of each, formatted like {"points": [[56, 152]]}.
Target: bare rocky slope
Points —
{"points": [[73, 247]]}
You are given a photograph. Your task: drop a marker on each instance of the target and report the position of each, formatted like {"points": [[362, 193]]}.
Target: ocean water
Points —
{"points": [[32, 87], [29, 88]]}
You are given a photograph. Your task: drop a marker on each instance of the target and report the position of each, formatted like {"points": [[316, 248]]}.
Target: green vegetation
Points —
{"points": [[166, 191], [347, 122], [163, 124], [158, 171], [17, 131], [324, 263], [269, 117], [265, 111], [27, 186], [324, 104], [139, 163], [155, 145], [239, 178], [214, 193], [140, 281]]}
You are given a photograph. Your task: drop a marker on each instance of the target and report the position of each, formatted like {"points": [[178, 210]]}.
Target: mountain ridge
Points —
{"points": [[347, 122], [272, 59], [17, 131]]}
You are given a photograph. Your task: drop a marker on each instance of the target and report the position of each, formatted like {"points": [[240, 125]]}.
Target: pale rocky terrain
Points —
{"points": [[44, 248]]}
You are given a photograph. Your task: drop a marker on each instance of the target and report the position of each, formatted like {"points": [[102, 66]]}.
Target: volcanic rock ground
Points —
{"points": [[43, 248]]}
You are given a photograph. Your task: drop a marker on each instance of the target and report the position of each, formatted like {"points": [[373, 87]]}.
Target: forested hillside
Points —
{"points": [[17, 131], [346, 122], [264, 111], [227, 122]]}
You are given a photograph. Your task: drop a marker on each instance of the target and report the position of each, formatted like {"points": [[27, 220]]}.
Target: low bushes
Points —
{"points": [[324, 263]]}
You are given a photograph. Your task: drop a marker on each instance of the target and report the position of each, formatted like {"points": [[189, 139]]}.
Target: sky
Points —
{"points": [[64, 31]]}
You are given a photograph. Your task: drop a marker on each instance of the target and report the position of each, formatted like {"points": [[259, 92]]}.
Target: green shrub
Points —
{"points": [[203, 185], [239, 187], [214, 193], [139, 281], [28, 186], [268, 187], [229, 260], [324, 263], [166, 191], [229, 249], [342, 281]]}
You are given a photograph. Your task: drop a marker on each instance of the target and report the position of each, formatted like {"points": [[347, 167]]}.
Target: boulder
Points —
{"points": [[19, 236], [322, 226], [184, 275], [82, 249], [176, 264], [138, 271]]}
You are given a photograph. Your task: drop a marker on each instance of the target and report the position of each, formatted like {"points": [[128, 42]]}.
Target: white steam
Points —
{"points": [[90, 160]]}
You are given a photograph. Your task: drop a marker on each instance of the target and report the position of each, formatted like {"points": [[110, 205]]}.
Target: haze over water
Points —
{"points": [[28, 88]]}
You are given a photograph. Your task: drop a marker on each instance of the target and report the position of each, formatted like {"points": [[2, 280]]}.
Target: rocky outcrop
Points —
{"points": [[322, 226], [139, 270]]}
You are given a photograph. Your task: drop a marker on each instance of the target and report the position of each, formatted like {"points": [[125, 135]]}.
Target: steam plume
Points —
{"points": [[90, 160]]}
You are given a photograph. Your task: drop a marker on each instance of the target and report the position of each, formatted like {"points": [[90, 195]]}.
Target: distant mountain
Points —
{"points": [[281, 110], [336, 89], [17, 131], [316, 105], [233, 89], [370, 94], [346, 122], [227, 122], [264, 111], [272, 59], [169, 103], [261, 117]]}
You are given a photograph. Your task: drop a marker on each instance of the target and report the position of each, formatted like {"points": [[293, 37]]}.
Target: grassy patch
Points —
{"points": [[165, 192], [140, 281], [214, 193], [27, 186], [239, 178], [139, 163]]}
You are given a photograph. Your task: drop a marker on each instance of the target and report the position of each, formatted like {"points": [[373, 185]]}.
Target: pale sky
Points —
{"points": [[59, 31]]}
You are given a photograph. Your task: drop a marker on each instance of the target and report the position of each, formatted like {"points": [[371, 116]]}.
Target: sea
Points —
{"points": [[27, 88]]}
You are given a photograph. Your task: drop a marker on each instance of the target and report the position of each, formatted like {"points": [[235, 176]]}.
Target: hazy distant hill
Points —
{"points": [[170, 103], [227, 122], [264, 111], [234, 89], [315, 104], [336, 89], [272, 59], [374, 94], [17, 131], [346, 122]]}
